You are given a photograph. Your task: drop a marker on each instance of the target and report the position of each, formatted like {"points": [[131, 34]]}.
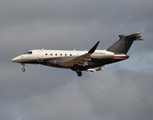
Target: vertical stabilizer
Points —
{"points": [[124, 43]]}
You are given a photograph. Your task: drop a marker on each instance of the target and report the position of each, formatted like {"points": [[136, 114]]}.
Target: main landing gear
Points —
{"points": [[77, 70], [79, 73], [23, 69]]}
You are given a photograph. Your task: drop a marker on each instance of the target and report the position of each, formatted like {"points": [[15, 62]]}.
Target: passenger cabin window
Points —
{"points": [[51, 54], [56, 54], [70, 54], [60, 54], [46, 53], [65, 54]]}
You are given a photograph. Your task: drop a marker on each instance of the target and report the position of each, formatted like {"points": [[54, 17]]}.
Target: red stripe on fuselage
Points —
{"points": [[121, 56]]}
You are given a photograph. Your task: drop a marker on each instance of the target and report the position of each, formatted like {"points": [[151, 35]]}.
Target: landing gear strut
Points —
{"points": [[23, 69]]}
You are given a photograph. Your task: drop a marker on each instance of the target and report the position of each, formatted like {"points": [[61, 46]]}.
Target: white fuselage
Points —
{"points": [[75, 60], [41, 55]]}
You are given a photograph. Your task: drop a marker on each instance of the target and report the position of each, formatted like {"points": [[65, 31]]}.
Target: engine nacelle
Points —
{"points": [[99, 54]]}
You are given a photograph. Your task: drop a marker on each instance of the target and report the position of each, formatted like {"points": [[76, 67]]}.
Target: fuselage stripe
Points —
{"points": [[121, 56]]}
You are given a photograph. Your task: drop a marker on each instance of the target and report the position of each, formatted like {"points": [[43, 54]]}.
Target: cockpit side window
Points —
{"points": [[25, 52], [30, 52]]}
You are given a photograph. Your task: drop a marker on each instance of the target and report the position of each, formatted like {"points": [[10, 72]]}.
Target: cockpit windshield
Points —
{"points": [[29, 52]]}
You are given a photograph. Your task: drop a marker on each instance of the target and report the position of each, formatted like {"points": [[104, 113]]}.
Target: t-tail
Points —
{"points": [[124, 43]]}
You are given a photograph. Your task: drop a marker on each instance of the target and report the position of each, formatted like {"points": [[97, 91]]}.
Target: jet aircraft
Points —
{"points": [[78, 61]]}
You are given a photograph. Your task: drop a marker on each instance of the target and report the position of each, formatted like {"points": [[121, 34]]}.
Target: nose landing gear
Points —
{"points": [[23, 69]]}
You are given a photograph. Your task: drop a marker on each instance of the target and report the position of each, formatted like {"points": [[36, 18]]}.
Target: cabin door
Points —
{"points": [[40, 56]]}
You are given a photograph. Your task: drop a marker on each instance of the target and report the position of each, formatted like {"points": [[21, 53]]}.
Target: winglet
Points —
{"points": [[92, 50]]}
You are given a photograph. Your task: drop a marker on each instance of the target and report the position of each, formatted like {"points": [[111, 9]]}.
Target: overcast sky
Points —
{"points": [[121, 91]]}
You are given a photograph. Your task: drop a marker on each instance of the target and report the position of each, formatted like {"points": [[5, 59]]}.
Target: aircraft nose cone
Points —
{"points": [[17, 59]]}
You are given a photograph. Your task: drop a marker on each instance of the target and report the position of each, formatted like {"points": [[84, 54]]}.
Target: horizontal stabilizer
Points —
{"points": [[139, 39], [135, 36]]}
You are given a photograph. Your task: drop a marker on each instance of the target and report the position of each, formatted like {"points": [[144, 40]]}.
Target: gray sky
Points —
{"points": [[122, 91]]}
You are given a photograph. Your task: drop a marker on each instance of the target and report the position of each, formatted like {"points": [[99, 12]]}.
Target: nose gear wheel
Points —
{"points": [[23, 69]]}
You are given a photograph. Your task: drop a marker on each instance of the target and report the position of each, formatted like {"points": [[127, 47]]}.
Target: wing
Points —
{"points": [[81, 60]]}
